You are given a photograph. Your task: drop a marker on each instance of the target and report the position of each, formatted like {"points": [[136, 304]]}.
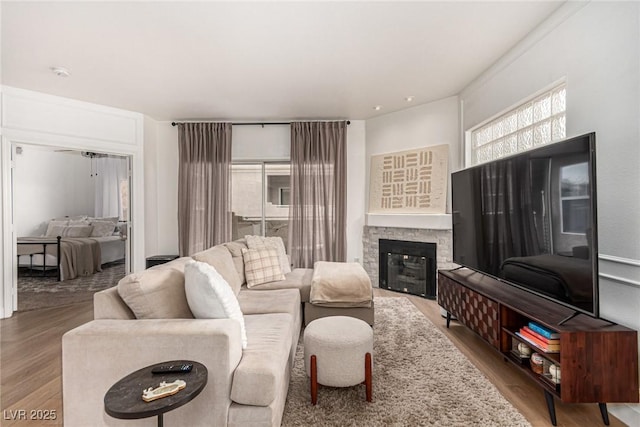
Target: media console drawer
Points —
{"points": [[476, 312]]}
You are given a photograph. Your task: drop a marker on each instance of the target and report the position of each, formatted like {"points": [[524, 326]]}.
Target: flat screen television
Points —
{"points": [[530, 220]]}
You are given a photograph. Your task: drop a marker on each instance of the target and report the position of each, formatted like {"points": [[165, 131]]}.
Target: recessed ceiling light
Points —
{"points": [[409, 98], [378, 107], [61, 71]]}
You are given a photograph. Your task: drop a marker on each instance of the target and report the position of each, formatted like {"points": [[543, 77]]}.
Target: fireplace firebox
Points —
{"points": [[408, 267]]}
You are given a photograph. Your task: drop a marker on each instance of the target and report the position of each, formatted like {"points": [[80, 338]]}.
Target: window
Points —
{"points": [[535, 122], [260, 196], [574, 198], [278, 188]]}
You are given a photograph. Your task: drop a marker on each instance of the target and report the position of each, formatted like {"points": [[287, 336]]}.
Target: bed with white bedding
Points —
{"points": [[85, 245]]}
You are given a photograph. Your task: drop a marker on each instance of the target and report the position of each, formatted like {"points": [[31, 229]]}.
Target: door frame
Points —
{"points": [[29, 117]]}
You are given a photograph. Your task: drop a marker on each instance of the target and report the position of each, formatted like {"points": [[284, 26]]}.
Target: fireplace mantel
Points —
{"points": [[421, 221]]}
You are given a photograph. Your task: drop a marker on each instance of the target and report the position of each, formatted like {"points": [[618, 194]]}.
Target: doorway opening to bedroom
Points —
{"points": [[71, 212]]}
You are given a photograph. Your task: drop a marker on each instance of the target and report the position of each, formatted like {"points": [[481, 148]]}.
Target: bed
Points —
{"points": [[74, 248]]}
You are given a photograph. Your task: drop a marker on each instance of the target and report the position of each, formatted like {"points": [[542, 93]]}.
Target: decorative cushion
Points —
{"points": [[155, 294], [210, 296], [236, 248], [261, 266], [112, 219], [55, 223], [275, 242], [78, 222], [69, 231], [102, 228], [176, 264], [220, 259]]}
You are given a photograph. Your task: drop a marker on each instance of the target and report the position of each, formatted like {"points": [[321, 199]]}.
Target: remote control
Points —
{"points": [[172, 369]]}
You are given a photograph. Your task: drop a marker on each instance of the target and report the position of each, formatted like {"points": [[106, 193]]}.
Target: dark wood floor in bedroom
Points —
{"points": [[30, 362]]}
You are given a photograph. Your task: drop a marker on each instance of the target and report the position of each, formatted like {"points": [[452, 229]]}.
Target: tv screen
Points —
{"points": [[530, 220]]}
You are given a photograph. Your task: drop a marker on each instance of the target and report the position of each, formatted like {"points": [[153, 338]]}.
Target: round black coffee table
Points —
{"points": [[124, 398]]}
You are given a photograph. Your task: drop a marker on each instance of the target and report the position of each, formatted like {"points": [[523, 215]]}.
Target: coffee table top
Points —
{"points": [[124, 398]]}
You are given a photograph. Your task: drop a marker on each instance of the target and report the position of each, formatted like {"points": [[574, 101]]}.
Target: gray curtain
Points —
{"points": [[204, 196], [317, 211]]}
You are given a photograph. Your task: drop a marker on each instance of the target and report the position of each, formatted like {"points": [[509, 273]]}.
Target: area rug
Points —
{"points": [[419, 379], [36, 292]]}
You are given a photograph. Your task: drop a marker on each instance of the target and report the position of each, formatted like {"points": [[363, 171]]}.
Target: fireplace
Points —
{"points": [[408, 267]]}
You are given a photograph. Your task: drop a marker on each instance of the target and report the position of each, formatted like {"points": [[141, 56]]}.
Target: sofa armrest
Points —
{"points": [[99, 353]]}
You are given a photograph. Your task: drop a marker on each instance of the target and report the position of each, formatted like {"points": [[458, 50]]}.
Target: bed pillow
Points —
{"points": [[261, 266], [55, 223], [69, 231], [210, 296], [155, 294], [112, 219], [102, 228], [275, 242]]}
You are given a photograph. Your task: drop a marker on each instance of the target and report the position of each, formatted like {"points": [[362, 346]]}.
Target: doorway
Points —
{"points": [[83, 196]]}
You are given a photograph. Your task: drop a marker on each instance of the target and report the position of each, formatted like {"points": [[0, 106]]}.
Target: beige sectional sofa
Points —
{"points": [[245, 387]]}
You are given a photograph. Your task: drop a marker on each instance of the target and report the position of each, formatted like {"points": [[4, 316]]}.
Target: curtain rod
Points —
{"points": [[263, 124]]}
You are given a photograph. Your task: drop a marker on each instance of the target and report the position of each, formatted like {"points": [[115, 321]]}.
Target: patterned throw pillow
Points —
{"points": [[275, 242], [261, 266]]}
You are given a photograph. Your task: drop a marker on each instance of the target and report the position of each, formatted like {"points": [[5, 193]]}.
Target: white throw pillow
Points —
{"points": [[210, 296], [261, 266], [275, 242]]}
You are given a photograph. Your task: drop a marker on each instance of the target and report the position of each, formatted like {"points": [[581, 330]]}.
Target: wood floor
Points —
{"points": [[30, 362]]}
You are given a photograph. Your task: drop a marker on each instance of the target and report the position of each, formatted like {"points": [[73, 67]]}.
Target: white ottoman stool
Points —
{"points": [[338, 353]]}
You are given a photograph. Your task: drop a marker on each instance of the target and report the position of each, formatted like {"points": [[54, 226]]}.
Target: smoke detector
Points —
{"points": [[61, 71]]}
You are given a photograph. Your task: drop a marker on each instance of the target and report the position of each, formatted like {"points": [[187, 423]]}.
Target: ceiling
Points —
{"points": [[259, 60]]}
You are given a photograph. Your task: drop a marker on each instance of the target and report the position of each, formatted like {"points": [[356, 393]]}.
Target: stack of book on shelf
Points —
{"points": [[541, 337]]}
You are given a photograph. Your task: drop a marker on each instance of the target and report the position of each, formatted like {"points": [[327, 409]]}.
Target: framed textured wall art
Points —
{"points": [[412, 181]]}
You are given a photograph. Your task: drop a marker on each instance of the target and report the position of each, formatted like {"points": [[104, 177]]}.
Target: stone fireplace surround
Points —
{"points": [[372, 234]]}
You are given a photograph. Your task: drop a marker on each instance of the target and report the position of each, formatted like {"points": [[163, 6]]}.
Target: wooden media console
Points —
{"points": [[598, 359]]}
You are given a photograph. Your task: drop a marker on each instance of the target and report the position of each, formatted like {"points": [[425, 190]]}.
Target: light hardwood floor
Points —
{"points": [[30, 366]]}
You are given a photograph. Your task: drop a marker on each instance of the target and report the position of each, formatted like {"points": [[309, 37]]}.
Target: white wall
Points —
{"points": [[424, 125], [50, 184], [596, 48], [161, 179], [151, 176], [249, 143], [356, 183], [271, 142]]}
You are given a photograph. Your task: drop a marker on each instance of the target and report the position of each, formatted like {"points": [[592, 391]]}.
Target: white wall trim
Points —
{"points": [[115, 125], [8, 240], [625, 271], [52, 121], [620, 260], [621, 280], [424, 221], [564, 12]]}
